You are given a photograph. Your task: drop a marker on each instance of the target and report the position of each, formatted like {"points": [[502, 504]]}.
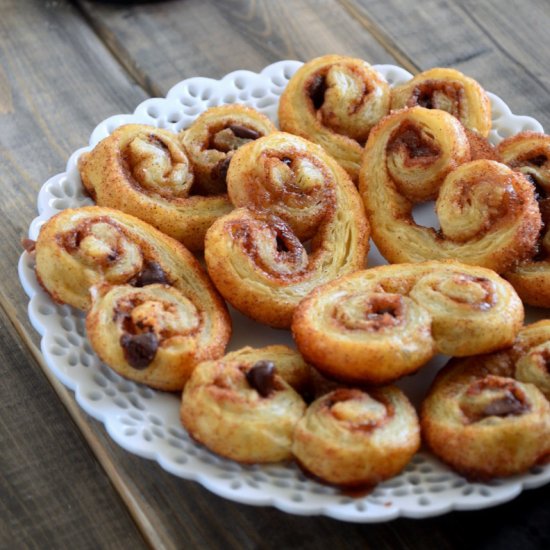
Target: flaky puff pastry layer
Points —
{"points": [[144, 171], [243, 406], [448, 90], [482, 421], [488, 213], [529, 154], [531, 356], [155, 313], [287, 191], [353, 438], [334, 101], [214, 137], [378, 325]]}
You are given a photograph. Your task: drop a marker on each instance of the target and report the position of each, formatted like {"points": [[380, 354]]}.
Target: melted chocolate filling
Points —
{"points": [[219, 172], [416, 146], [152, 273], [317, 90], [139, 349], [261, 377], [244, 132]]}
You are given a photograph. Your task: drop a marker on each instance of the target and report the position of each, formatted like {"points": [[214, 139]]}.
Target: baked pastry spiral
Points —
{"points": [[287, 191], [155, 313], [482, 421], [378, 325], [144, 171], [334, 101], [487, 212], [214, 137], [242, 406], [531, 356], [529, 153], [353, 438], [450, 91]]}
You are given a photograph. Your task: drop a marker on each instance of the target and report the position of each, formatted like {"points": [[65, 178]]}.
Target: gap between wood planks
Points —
{"points": [[152, 537]]}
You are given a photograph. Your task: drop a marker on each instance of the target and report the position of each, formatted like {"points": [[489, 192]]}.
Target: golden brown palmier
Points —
{"points": [[529, 153], [450, 91], [154, 335], [144, 171], [214, 137], [488, 213], [378, 325], [287, 191], [482, 421], [155, 312], [334, 101], [353, 438], [242, 407]]}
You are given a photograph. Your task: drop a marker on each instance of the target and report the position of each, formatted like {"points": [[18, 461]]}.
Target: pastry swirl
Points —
{"points": [[448, 90], [334, 101], [378, 325], [482, 421], [144, 171], [154, 335], [155, 313], [529, 154], [531, 356], [214, 137], [487, 212], [353, 438], [287, 191], [242, 406]]}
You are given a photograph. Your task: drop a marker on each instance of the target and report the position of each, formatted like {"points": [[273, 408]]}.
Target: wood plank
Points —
{"points": [[161, 44], [54, 494], [173, 512], [500, 43]]}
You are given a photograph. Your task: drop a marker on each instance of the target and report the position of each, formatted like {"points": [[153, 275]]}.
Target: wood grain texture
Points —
{"points": [[498, 42], [161, 44], [54, 493], [57, 80]]}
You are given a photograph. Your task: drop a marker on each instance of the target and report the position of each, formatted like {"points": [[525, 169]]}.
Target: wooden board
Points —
{"points": [[161, 44], [497, 42], [65, 68]]}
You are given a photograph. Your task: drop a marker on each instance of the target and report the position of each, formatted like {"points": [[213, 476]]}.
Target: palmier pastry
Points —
{"points": [[144, 171], [448, 90], [241, 406], [531, 355], [353, 438], [335, 101], [155, 313], [377, 325], [487, 212], [214, 137], [287, 191], [482, 421], [529, 153]]}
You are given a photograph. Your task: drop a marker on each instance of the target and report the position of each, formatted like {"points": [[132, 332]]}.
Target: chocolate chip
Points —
{"points": [[539, 160], [317, 91], [261, 377], [243, 132], [139, 349], [152, 273], [506, 405], [219, 172]]}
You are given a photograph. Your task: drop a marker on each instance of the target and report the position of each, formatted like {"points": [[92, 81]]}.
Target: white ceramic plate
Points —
{"points": [[146, 422]]}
